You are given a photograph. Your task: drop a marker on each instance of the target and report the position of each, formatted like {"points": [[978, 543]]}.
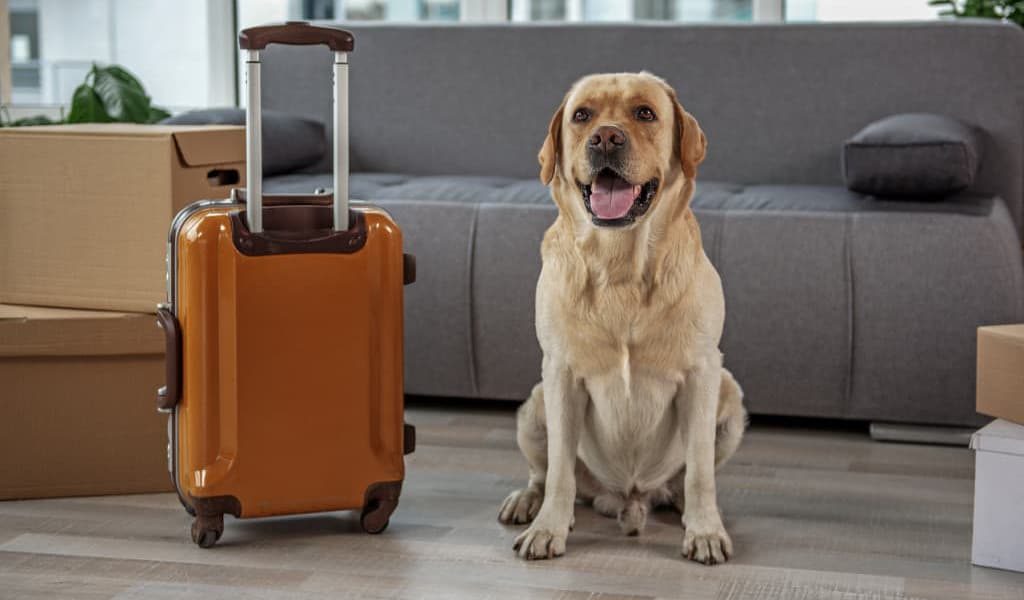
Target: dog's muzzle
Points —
{"points": [[612, 201]]}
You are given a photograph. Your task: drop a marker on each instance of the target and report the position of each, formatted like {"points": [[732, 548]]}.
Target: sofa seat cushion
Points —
{"points": [[710, 195], [839, 304], [447, 188], [390, 186]]}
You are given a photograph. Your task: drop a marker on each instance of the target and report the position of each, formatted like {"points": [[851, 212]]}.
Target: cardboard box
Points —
{"points": [[78, 403], [999, 496], [1000, 391], [85, 209]]}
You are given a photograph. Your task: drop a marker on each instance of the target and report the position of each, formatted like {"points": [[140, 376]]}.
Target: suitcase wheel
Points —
{"points": [[206, 530], [376, 516]]}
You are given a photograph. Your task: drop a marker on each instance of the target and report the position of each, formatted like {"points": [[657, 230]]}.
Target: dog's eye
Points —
{"points": [[644, 113], [581, 115]]}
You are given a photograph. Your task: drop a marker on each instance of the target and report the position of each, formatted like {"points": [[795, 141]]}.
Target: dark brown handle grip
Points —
{"points": [[167, 396], [296, 33]]}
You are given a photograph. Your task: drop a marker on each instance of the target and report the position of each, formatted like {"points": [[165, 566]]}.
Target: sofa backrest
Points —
{"points": [[776, 101]]}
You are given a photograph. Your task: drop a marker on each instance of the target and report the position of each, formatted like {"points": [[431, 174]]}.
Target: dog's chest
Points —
{"points": [[631, 360], [613, 334]]}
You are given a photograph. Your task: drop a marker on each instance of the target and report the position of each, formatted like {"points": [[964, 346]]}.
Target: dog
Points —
{"points": [[634, 408]]}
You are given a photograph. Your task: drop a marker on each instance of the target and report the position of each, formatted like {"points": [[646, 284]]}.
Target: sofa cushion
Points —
{"points": [[465, 189], [390, 186], [709, 195], [839, 304], [290, 143], [912, 155]]}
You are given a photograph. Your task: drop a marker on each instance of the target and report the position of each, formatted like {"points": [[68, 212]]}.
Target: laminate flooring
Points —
{"points": [[815, 511]]}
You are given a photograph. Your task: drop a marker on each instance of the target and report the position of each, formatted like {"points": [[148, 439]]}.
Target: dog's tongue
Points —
{"points": [[611, 197]]}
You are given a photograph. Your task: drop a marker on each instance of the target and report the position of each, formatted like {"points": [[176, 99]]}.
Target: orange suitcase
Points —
{"points": [[284, 339]]}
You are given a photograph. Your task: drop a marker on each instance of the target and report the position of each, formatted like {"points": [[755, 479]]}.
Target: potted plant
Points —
{"points": [[109, 94]]}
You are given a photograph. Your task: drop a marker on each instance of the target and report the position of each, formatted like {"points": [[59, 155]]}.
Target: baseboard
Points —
{"points": [[921, 434]]}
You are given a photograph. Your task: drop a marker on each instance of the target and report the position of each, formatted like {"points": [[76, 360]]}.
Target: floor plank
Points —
{"points": [[814, 513]]}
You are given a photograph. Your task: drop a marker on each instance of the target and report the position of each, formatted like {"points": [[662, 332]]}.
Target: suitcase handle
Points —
{"points": [[253, 40], [295, 33], [168, 395]]}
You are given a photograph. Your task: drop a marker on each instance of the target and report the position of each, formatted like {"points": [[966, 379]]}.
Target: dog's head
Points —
{"points": [[620, 139]]}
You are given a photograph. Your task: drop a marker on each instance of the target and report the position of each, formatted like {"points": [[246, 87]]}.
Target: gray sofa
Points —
{"points": [[839, 305]]}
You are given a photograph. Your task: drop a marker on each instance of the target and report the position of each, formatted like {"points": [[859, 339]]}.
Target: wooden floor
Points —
{"points": [[814, 513]]}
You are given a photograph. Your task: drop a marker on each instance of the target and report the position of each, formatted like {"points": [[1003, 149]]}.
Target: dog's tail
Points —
{"points": [[732, 419]]}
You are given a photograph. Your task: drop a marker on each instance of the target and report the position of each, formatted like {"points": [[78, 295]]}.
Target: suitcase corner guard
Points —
{"points": [[381, 499]]}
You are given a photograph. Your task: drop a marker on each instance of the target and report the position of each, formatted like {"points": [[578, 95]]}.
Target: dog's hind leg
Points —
{"points": [[521, 506], [609, 504]]}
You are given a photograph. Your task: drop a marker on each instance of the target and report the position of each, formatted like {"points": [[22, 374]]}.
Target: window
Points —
{"points": [[24, 52], [181, 50], [630, 10], [255, 12]]}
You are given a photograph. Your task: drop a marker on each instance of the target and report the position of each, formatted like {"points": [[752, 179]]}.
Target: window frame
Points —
{"points": [[765, 11], [6, 78]]}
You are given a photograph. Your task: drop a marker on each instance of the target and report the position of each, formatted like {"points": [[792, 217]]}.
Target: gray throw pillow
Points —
{"points": [[290, 143], [912, 155]]}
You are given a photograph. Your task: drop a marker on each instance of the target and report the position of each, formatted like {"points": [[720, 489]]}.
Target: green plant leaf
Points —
{"points": [[122, 96], [125, 76], [157, 114], [87, 107]]}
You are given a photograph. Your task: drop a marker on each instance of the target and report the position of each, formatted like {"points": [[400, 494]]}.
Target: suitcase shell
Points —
{"points": [[284, 358], [291, 396]]}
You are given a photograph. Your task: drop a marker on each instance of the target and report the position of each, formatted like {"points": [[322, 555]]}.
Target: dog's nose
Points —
{"points": [[607, 139]]}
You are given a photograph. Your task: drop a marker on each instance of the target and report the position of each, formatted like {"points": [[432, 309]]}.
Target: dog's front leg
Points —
{"points": [[564, 404], [705, 539]]}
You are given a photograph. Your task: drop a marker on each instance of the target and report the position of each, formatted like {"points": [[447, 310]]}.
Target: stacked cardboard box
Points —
{"points": [[999, 450], [84, 215]]}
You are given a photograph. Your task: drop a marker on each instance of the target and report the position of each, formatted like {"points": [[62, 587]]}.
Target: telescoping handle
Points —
{"points": [[252, 41]]}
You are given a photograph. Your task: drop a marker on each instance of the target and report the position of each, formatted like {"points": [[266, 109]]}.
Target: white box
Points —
{"points": [[999, 496]]}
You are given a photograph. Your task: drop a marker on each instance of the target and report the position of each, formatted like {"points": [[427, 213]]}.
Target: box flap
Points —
{"points": [[210, 144], [999, 436], [38, 331], [1013, 334], [197, 144], [108, 129]]}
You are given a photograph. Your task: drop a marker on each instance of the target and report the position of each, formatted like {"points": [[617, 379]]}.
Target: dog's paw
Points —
{"points": [[707, 543], [521, 506], [540, 542]]}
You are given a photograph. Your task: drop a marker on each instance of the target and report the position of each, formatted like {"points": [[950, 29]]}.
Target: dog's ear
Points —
{"points": [[692, 143], [548, 156]]}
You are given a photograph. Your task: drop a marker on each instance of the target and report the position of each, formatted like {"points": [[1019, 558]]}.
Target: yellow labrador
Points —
{"points": [[629, 317]]}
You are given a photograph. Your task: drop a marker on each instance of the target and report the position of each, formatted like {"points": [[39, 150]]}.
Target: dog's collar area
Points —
{"points": [[639, 208]]}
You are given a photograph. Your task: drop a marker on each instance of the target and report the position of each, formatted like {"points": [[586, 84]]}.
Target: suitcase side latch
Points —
{"points": [[168, 395], [408, 269]]}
